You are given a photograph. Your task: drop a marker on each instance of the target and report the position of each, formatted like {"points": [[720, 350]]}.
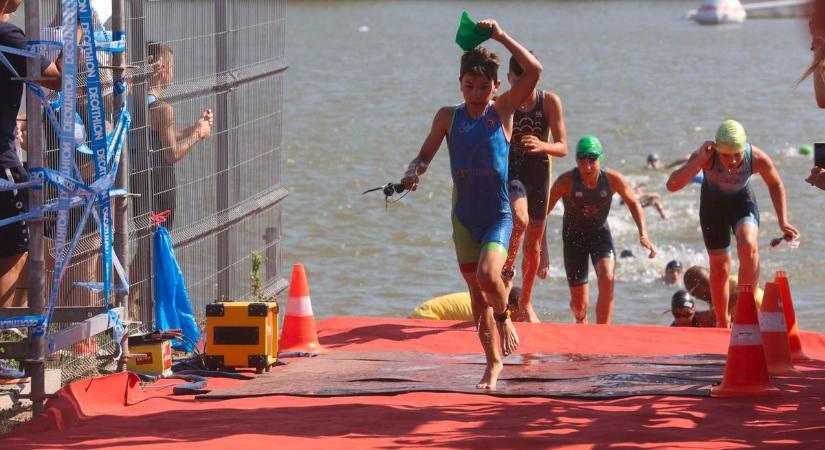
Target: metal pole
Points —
{"points": [[37, 266], [139, 143], [121, 234], [222, 146], [270, 237]]}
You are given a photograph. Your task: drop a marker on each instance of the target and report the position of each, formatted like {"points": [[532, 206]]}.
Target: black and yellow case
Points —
{"points": [[241, 334]]}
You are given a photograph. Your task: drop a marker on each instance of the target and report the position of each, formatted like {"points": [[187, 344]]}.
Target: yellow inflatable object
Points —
{"points": [[454, 306], [733, 284]]}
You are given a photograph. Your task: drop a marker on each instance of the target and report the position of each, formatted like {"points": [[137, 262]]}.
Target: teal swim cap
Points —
{"points": [[731, 137], [469, 34], [589, 147]]}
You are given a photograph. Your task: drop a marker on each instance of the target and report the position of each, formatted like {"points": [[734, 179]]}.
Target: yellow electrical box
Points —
{"points": [[150, 356], [241, 334]]}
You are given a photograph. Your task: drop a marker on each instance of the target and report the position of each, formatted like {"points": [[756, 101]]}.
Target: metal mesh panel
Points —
{"points": [[228, 57]]}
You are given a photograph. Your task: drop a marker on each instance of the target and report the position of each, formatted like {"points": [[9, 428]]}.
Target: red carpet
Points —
{"points": [[113, 412]]}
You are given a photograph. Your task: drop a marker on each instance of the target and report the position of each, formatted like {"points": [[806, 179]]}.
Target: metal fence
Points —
{"points": [[228, 56], [222, 183]]}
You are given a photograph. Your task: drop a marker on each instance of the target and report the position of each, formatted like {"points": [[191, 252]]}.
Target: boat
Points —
{"points": [[714, 13]]}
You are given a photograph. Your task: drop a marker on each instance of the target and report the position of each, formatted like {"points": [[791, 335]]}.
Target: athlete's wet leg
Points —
{"points": [[604, 305], [518, 205], [492, 286], [529, 267], [579, 296], [485, 324], [719, 291], [748, 250]]}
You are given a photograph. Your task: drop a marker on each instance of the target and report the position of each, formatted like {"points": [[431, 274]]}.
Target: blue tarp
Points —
{"points": [[172, 307]]}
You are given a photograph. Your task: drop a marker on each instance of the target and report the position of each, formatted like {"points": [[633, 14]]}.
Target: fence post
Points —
{"points": [[121, 234], [138, 140], [270, 239], [222, 146], [37, 266]]}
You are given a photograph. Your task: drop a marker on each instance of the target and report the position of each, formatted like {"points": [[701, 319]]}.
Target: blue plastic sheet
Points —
{"points": [[172, 307]]}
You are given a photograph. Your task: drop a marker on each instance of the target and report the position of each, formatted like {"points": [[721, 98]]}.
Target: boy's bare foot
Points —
{"points": [[490, 377], [507, 336]]}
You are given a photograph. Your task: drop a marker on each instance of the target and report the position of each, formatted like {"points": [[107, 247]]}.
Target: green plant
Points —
{"points": [[255, 278]]}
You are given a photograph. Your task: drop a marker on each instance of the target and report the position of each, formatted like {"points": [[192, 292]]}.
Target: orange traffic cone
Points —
{"points": [[746, 373], [795, 343], [299, 333], [774, 332]]}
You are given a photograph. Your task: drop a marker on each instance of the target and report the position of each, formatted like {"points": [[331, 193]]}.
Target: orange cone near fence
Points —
{"points": [[746, 372], [794, 341], [775, 332], [299, 334]]}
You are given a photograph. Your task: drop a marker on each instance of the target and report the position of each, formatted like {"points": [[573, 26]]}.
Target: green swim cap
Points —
{"points": [[805, 149], [731, 137], [469, 34], [589, 146]]}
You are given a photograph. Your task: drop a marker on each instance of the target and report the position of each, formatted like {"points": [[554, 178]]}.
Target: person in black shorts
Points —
{"points": [[538, 135], [15, 237], [728, 206], [587, 191]]}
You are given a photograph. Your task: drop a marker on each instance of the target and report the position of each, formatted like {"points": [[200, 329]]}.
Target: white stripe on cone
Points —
{"points": [[741, 335], [772, 322], [298, 306]]}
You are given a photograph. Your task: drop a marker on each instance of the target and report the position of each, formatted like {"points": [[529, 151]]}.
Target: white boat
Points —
{"points": [[780, 9], [715, 12]]}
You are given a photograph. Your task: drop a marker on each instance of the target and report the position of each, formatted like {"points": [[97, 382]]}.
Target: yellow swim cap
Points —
{"points": [[730, 137]]}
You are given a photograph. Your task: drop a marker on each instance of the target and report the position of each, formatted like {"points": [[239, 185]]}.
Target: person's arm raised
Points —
{"points": [[763, 165], [507, 103], [619, 185], [438, 131], [697, 161]]}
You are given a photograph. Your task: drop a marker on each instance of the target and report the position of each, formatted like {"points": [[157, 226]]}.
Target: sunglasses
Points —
{"points": [[682, 313], [588, 156]]}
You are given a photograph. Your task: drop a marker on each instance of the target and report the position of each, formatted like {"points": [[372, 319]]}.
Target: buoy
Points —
{"points": [[806, 149]]}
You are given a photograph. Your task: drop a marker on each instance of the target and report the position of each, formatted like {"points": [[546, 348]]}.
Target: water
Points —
{"points": [[366, 79]]}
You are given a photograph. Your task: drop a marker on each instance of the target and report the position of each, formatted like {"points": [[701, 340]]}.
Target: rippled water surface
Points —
{"points": [[366, 78]]}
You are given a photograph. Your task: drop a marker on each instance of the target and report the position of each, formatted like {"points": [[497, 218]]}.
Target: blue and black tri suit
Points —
{"points": [[585, 231], [530, 174], [726, 202], [481, 209]]}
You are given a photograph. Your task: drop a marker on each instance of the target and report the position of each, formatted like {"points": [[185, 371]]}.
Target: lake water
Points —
{"points": [[367, 77]]}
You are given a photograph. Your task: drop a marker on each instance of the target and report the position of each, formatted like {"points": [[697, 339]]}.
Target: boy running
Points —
{"points": [[538, 135], [587, 191], [728, 205], [478, 133]]}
